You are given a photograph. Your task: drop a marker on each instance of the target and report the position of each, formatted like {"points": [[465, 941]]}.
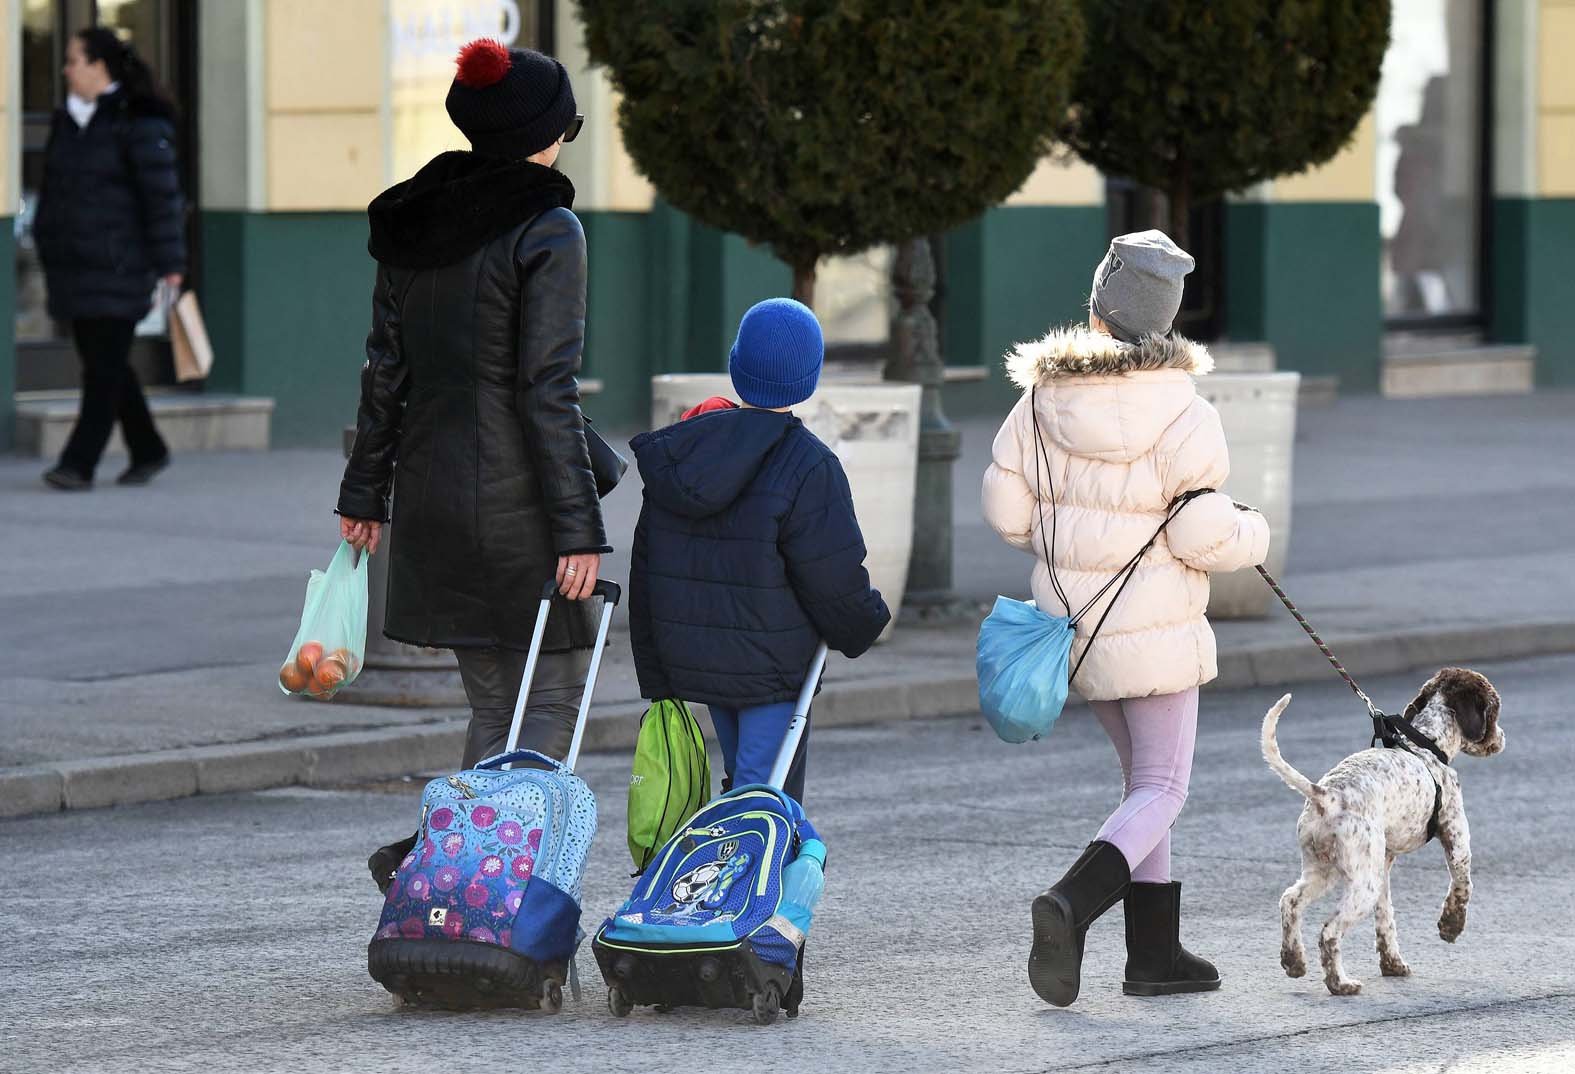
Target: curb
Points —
{"points": [[361, 756]]}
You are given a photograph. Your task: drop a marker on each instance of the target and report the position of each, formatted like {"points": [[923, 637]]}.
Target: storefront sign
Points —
{"points": [[428, 30]]}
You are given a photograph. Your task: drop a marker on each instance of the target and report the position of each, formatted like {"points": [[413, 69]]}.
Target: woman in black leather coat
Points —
{"points": [[478, 320], [109, 226]]}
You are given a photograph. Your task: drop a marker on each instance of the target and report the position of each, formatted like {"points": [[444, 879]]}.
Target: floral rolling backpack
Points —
{"points": [[485, 910]]}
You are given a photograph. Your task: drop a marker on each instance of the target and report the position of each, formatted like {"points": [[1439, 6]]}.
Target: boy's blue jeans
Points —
{"points": [[750, 739]]}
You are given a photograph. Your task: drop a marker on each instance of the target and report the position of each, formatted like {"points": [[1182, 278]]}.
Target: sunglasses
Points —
{"points": [[574, 129]]}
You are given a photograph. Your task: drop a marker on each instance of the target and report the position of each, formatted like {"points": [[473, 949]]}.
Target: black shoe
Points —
{"points": [[140, 473], [1094, 883], [67, 480], [384, 861], [1157, 964]]}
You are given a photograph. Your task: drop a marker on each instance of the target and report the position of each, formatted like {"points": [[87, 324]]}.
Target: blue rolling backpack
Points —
{"points": [[719, 918], [485, 910]]}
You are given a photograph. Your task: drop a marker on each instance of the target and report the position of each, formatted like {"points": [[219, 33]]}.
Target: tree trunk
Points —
{"points": [[804, 284]]}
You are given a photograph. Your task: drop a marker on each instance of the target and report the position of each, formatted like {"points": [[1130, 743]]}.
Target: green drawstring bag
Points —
{"points": [[671, 779], [330, 646]]}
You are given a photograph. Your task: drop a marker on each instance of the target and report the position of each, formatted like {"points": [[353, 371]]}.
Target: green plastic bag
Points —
{"points": [[330, 647], [671, 779]]}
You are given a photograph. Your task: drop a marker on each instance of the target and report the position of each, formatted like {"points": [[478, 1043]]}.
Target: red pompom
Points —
{"points": [[482, 63]]}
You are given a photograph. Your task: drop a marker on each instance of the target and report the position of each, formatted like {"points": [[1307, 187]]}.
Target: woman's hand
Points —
{"points": [[363, 534], [577, 575], [173, 282]]}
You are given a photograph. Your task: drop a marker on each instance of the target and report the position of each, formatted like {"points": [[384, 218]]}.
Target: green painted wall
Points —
{"points": [[1010, 276], [665, 296], [1304, 276], [618, 330], [726, 276], [1532, 240], [7, 336], [288, 300]]}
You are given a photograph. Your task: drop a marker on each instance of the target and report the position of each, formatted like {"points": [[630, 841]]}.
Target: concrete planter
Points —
{"points": [[874, 429], [1258, 411]]}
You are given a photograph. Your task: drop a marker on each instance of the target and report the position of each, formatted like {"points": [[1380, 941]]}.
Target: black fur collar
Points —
{"points": [[457, 204]]}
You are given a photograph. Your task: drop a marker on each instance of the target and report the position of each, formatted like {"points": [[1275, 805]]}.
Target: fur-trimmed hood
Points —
{"points": [[458, 203], [1078, 351]]}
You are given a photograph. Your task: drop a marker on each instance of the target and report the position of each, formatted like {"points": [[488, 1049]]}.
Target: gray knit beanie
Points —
{"points": [[1137, 287]]}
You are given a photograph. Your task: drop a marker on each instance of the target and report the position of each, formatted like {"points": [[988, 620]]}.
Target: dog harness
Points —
{"points": [[1394, 732]]}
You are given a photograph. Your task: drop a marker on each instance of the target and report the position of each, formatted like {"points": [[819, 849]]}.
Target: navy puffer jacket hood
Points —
{"points": [[747, 553]]}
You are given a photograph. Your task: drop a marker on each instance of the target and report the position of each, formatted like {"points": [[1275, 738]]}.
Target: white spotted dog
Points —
{"points": [[1376, 805]]}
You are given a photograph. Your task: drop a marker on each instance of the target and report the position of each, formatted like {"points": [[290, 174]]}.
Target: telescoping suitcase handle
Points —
{"points": [[800, 720], [611, 593]]}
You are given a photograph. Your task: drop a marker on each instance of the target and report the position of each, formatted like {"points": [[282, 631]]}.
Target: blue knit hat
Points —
{"points": [[775, 361]]}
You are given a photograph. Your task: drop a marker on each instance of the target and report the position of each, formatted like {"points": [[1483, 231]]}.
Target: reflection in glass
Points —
{"points": [[1430, 157], [41, 59], [853, 297], [40, 55], [136, 21], [426, 36]]}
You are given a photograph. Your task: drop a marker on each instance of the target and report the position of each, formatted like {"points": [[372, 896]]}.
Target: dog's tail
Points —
{"points": [[1271, 753]]}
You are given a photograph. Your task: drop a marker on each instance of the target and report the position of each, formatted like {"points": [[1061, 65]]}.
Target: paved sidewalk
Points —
{"points": [[144, 627]]}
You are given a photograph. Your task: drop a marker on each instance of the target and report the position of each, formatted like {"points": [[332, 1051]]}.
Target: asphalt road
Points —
{"points": [[228, 933]]}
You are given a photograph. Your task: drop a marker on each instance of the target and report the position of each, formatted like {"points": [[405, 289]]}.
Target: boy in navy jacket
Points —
{"points": [[747, 553]]}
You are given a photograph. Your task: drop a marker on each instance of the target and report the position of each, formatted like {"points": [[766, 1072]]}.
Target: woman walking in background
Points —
{"points": [[478, 321], [109, 227]]}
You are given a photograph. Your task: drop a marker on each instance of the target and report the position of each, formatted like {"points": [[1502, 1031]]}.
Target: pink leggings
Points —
{"points": [[1153, 737]]}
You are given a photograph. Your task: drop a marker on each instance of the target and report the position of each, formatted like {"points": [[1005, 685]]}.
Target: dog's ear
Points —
{"points": [[1475, 705]]}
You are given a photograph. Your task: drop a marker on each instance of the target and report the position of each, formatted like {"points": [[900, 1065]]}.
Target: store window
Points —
{"points": [[1132, 207], [856, 304], [853, 298], [1431, 161], [427, 34]]}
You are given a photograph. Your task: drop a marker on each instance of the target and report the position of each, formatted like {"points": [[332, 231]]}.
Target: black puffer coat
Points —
{"points": [[746, 554], [111, 217], [478, 319]]}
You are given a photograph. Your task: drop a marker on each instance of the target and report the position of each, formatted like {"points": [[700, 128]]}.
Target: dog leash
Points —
{"points": [[1389, 730], [1386, 728], [1323, 647]]}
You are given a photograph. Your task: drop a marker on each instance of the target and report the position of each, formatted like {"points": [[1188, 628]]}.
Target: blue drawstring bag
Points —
{"points": [[1023, 669]]}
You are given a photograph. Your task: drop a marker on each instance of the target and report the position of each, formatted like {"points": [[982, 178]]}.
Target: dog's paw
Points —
{"points": [[1451, 923], [1394, 967], [1343, 986], [1294, 962]]}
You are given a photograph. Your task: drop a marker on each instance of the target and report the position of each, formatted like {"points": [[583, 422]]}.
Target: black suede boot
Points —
{"points": [[384, 861], [1157, 964], [1094, 883]]}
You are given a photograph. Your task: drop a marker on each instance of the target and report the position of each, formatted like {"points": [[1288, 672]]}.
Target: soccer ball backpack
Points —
{"points": [[720, 917], [485, 910]]}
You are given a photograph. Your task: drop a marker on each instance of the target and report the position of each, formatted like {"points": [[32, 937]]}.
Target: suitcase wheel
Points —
{"points": [[551, 996], [618, 1002], [765, 1005]]}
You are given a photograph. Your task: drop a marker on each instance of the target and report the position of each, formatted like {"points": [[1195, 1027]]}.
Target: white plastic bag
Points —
{"points": [[330, 647]]}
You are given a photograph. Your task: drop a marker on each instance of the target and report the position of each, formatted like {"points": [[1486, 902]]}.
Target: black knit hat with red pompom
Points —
{"points": [[509, 102]]}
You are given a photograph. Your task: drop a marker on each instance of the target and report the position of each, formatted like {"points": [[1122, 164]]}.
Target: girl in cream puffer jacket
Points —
{"points": [[1124, 434]]}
